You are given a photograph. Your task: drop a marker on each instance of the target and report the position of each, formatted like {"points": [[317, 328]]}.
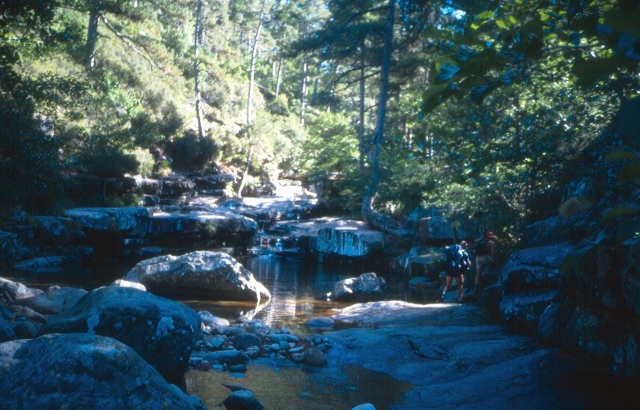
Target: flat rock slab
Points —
{"points": [[341, 237], [454, 359]]}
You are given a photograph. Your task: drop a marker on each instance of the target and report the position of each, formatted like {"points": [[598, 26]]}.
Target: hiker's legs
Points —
{"points": [[447, 283], [460, 280], [481, 262]]}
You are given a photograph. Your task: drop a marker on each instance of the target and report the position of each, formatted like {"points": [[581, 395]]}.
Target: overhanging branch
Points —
{"points": [[128, 41]]}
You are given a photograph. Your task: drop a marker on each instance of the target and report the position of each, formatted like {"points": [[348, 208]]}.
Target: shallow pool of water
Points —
{"points": [[298, 289]]}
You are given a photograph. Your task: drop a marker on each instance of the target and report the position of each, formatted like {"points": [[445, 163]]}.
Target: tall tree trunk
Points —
{"points": [[304, 90], [361, 143], [280, 64], [92, 39], [368, 214], [197, 43], [252, 66]]}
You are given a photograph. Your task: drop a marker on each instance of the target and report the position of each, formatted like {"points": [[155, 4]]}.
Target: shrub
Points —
{"points": [[191, 152]]}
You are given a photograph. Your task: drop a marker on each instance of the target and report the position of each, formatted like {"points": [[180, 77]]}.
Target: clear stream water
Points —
{"points": [[298, 292]]}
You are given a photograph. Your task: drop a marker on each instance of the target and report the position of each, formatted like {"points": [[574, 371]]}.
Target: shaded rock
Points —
{"points": [[26, 312], [547, 331], [228, 357], [432, 225], [127, 221], [365, 288], [314, 357], [534, 268], [320, 322], [555, 230], [246, 340], [41, 264], [10, 248], [52, 302], [6, 331], [161, 331], [341, 237], [210, 275], [597, 321], [524, 309], [242, 400], [83, 371], [417, 262], [24, 329]]}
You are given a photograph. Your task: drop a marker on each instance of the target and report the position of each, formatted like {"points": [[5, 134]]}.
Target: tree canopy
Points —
{"points": [[480, 107]]}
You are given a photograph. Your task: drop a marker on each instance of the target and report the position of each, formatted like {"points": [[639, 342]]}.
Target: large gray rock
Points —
{"points": [[128, 221], [242, 400], [555, 230], [83, 371], [596, 319], [341, 237], [196, 218], [434, 225], [444, 348], [365, 288], [534, 268], [53, 301], [6, 331], [163, 332], [272, 208], [10, 291], [523, 310], [211, 275]]}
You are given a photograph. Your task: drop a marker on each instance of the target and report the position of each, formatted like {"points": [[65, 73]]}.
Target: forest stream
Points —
{"points": [[402, 354]]}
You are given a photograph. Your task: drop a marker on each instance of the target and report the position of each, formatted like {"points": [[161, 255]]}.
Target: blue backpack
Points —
{"points": [[454, 258]]}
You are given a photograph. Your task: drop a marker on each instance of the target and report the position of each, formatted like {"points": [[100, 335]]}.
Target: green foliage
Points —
{"points": [[29, 159], [107, 161], [191, 152], [503, 45]]}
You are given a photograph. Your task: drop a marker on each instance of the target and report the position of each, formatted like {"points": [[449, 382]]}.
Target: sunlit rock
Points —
{"points": [[365, 288], [341, 237], [210, 275]]}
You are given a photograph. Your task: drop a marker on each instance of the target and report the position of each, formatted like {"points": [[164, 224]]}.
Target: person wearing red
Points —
{"points": [[485, 257]]}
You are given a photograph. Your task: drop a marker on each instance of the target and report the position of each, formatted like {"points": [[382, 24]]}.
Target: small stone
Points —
{"points": [[320, 322]]}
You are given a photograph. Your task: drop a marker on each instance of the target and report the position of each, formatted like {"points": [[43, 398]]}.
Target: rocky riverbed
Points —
{"points": [[403, 356]]}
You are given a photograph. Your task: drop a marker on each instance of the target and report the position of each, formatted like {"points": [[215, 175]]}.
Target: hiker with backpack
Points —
{"points": [[484, 256], [458, 262]]}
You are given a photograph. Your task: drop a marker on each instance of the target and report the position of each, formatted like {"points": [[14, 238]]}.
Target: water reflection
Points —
{"points": [[298, 289]]}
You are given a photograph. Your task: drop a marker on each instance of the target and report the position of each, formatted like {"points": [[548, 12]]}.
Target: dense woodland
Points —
{"points": [[481, 107]]}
